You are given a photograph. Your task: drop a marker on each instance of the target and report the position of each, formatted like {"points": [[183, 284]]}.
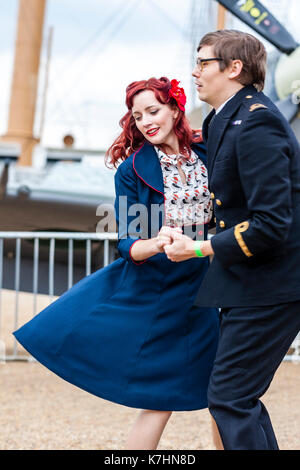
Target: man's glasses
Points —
{"points": [[201, 63]]}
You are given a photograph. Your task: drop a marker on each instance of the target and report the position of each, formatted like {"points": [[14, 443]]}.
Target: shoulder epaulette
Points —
{"points": [[255, 106]]}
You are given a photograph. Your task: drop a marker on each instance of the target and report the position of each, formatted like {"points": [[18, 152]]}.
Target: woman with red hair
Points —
{"points": [[130, 332]]}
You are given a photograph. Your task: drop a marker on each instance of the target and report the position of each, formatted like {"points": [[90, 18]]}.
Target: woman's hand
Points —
{"points": [[166, 236]]}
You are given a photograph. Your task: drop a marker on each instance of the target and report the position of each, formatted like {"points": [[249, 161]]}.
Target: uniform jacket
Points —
{"points": [[254, 179]]}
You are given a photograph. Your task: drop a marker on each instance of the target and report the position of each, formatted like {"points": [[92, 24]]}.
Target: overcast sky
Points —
{"points": [[100, 46]]}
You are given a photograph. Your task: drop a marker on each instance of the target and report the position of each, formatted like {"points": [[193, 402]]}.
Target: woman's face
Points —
{"points": [[155, 120]]}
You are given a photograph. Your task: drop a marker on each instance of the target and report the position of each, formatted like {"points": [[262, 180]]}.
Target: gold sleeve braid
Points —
{"points": [[238, 229]]}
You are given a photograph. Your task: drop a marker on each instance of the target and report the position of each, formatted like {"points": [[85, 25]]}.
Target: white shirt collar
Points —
{"points": [[222, 105]]}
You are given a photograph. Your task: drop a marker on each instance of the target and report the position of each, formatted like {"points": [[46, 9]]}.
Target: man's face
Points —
{"points": [[210, 81]]}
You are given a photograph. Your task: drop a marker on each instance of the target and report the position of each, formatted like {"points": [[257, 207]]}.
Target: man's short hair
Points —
{"points": [[229, 44]]}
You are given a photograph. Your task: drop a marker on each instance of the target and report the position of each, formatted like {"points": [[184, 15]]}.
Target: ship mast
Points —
{"points": [[221, 17], [25, 78]]}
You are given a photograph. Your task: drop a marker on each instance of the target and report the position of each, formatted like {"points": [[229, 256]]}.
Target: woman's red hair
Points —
{"points": [[131, 139]]}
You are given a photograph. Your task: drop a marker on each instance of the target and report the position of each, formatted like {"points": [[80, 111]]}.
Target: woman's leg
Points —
{"points": [[147, 430], [216, 435]]}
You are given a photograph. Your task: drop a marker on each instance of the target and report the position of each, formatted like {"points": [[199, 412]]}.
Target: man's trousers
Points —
{"points": [[253, 342]]}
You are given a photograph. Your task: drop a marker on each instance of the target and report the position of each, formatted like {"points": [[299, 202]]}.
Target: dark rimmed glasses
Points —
{"points": [[200, 63]]}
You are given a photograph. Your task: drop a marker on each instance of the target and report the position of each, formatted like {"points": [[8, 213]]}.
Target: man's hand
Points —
{"points": [[181, 249]]}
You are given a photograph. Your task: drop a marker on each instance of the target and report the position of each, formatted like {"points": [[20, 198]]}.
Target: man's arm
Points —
{"points": [[264, 170]]}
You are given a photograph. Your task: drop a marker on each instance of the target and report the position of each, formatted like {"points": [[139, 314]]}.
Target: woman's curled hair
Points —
{"points": [[131, 139]]}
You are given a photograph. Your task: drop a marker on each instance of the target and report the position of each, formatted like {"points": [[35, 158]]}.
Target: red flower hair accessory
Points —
{"points": [[178, 94]]}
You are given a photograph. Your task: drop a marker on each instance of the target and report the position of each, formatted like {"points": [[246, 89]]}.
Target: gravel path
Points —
{"points": [[41, 411]]}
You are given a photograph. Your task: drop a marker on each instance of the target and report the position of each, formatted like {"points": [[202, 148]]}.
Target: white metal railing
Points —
{"points": [[103, 238]]}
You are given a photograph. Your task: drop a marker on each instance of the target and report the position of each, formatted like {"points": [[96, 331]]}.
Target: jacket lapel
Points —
{"points": [[216, 133], [147, 167], [221, 122]]}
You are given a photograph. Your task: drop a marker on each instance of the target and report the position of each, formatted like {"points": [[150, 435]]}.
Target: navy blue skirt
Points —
{"points": [[131, 334]]}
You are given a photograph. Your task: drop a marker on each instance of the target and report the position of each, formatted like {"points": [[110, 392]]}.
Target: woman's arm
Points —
{"points": [[143, 249], [126, 196], [131, 246]]}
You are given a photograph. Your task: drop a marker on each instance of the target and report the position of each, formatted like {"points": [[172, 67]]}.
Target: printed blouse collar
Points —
{"points": [[173, 159]]}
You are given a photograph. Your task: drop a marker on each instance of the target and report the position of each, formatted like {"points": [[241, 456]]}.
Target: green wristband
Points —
{"points": [[197, 249]]}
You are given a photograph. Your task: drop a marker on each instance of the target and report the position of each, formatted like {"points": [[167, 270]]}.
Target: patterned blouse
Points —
{"points": [[185, 203]]}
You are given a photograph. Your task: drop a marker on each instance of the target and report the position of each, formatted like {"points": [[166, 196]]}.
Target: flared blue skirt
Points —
{"points": [[131, 334]]}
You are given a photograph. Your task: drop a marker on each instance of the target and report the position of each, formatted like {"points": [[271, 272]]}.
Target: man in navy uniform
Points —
{"points": [[254, 179]]}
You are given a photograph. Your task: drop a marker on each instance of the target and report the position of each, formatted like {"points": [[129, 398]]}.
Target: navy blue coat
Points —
{"points": [[130, 332], [254, 178], [140, 179]]}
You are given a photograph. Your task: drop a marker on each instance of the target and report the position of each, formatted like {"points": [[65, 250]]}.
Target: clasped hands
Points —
{"points": [[176, 245]]}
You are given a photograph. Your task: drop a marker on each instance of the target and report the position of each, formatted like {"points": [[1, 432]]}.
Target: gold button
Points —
{"points": [[218, 202], [222, 224], [212, 195], [249, 96], [215, 220]]}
